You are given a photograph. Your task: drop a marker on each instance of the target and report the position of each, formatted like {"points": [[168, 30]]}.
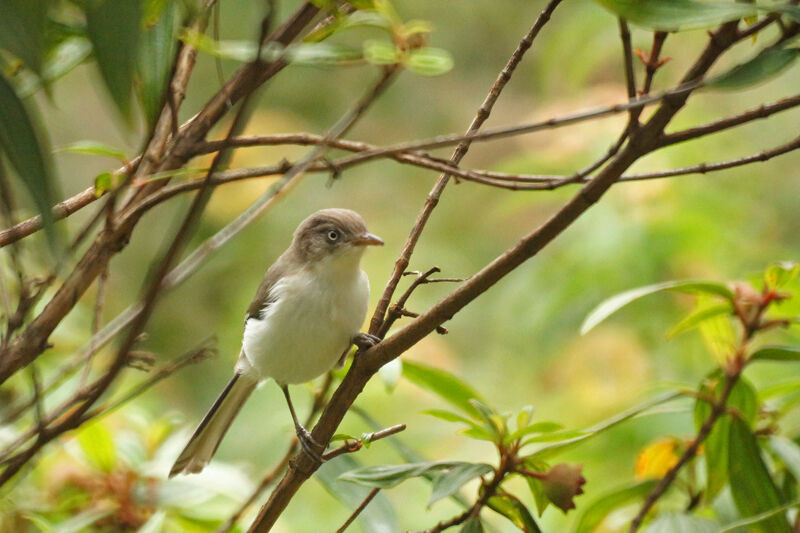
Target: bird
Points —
{"points": [[303, 320]]}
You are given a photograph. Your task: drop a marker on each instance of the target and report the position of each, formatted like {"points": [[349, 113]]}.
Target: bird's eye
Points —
{"points": [[333, 235]]}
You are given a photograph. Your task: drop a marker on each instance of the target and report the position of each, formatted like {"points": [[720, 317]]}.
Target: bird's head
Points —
{"points": [[331, 234]]}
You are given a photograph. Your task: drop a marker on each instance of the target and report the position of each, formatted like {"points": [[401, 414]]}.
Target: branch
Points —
{"points": [[433, 197], [762, 111], [361, 507]]}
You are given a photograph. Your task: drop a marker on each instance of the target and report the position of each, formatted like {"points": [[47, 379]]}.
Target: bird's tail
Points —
{"points": [[206, 438]]}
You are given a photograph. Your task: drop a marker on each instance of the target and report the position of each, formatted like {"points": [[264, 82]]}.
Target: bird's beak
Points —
{"points": [[368, 239]]}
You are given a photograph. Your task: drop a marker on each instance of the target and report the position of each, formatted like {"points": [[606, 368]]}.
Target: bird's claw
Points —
{"points": [[309, 444], [365, 341]]}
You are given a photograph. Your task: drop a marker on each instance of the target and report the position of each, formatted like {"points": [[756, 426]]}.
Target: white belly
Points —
{"points": [[304, 332]]}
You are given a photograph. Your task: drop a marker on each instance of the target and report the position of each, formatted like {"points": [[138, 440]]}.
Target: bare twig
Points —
{"points": [[196, 355], [630, 77], [433, 196], [359, 509], [760, 112], [354, 446]]}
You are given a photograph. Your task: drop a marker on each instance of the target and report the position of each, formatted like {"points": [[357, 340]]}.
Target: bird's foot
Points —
{"points": [[365, 341], [309, 444]]}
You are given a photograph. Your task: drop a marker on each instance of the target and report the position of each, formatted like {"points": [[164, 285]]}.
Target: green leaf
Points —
{"points": [[752, 488], [22, 30], [429, 61], [776, 353], [739, 525], [779, 274], [555, 447], [28, 153], [448, 481], [615, 303], [596, 511], [387, 476], [474, 431], [699, 315], [445, 385], [765, 65], [743, 398], [381, 53], [242, 51], [788, 451], [524, 416], [681, 523], [98, 446], [472, 525], [670, 15], [537, 491], [719, 337], [538, 427], [358, 19], [321, 54], [491, 420], [378, 516], [60, 60], [156, 56], [93, 148], [114, 27], [510, 507]]}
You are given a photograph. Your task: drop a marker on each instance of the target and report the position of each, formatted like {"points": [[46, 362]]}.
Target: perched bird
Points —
{"points": [[304, 318]]}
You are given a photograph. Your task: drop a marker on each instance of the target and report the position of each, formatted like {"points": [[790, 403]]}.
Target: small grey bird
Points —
{"points": [[304, 318]]}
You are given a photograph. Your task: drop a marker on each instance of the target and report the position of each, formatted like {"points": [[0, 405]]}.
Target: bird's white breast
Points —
{"points": [[313, 317]]}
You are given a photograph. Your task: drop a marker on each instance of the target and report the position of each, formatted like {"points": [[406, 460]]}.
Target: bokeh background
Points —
{"points": [[519, 343]]}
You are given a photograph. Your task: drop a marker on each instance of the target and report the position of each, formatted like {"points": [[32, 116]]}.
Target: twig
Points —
{"points": [[354, 446], [96, 321], [398, 309], [654, 61], [196, 355], [630, 77], [464, 143], [361, 507], [760, 112]]}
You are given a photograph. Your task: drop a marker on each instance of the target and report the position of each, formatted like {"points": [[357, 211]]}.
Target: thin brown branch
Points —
{"points": [[654, 61], [60, 210], [630, 76], [433, 196], [760, 112], [196, 355], [354, 446], [358, 510]]}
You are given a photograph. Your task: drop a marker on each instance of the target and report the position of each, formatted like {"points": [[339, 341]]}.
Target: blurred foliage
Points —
{"points": [[518, 344]]}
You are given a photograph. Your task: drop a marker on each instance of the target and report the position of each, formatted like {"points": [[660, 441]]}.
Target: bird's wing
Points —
{"points": [[263, 299]]}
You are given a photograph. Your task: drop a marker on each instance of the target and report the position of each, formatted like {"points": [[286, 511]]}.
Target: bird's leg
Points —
{"points": [[307, 442], [365, 341]]}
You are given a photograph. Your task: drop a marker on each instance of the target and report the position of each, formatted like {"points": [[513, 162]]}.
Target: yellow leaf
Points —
{"points": [[655, 460]]}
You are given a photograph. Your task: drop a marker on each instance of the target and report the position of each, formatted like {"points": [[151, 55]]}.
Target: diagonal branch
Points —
{"points": [[433, 197]]}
